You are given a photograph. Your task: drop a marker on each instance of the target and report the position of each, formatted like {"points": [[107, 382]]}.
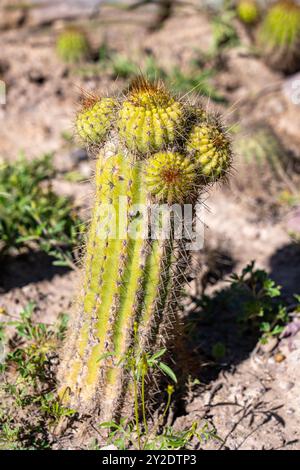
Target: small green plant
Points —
{"points": [[224, 32], [218, 350], [256, 301], [29, 408], [123, 435], [32, 215], [122, 67], [199, 82], [263, 309], [137, 433]]}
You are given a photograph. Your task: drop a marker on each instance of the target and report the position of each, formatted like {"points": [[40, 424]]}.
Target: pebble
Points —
{"points": [[79, 155], [279, 357], [110, 447], [86, 170], [286, 385]]}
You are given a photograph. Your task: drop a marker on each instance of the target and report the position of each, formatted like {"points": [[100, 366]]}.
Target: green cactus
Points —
{"points": [[171, 177], [247, 11], [260, 148], [94, 119], [279, 36], [263, 163], [130, 280], [210, 148], [149, 120], [72, 46]]}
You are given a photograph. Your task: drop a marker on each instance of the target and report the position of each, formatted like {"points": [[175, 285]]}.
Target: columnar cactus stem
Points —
{"points": [[131, 280]]}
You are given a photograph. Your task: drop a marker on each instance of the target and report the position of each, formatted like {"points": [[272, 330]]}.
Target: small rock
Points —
{"points": [[110, 447], [79, 155], [86, 170], [279, 357], [286, 385], [46, 12], [291, 88]]}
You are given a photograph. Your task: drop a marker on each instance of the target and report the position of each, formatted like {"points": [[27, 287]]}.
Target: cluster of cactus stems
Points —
{"points": [[279, 36], [151, 149]]}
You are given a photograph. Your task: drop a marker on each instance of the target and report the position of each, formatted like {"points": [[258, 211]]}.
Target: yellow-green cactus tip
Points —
{"points": [[171, 177], [247, 11], [95, 119], [149, 118], [211, 150], [72, 45]]}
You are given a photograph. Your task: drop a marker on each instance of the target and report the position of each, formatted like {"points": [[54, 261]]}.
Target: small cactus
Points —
{"points": [[72, 46], [94, 119], [149, 120], [263, 164], [171, 177], [247, 11], [210, 149], [151, 148], [279, 36]]}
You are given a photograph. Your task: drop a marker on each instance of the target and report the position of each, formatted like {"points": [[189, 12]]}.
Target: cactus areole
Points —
{"points": [[152, 150]]}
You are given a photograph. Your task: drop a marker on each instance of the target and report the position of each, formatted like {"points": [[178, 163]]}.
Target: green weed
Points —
{"points": [[29, 407], [256, 300], [32, 215], [138, 433]]}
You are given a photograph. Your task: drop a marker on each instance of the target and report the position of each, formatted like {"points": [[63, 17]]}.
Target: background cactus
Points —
{"points": [[132, 282], [247, 11], [263, 164], [72, 45], [279, 36]]}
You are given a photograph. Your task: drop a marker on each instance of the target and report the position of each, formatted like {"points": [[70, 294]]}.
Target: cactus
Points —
{"points": [[247, 11], [149, 121], [263, 163], [94, 119], [279, 36], [210, 149], [72, 46], [261, 148], [131, 281]]}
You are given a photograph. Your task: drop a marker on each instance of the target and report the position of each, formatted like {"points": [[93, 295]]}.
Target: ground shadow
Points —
{"points": [[30, 267], [215, 336], [285, 269]]}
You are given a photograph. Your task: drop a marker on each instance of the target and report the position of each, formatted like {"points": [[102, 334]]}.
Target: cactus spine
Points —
{"points": [[131, 280]]}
